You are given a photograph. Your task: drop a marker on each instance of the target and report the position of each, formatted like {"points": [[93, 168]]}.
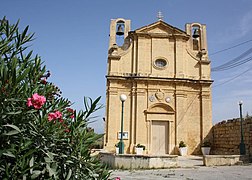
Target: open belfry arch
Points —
{"points": [[165, 74]]}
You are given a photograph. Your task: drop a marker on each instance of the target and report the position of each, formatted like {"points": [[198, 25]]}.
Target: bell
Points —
{"points": [[195, 33], [120, 31]]}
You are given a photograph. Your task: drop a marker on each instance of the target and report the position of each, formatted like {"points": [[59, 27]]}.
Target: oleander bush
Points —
{"points": [[41, 136]]}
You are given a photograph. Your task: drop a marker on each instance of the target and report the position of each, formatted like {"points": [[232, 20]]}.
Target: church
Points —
{"points": [[163, 75]]}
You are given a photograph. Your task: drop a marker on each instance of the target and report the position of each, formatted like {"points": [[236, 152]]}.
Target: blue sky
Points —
{"points": [[72, 39]]}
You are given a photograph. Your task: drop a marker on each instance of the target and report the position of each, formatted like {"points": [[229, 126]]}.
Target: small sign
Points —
{"points": [[125, 135]]}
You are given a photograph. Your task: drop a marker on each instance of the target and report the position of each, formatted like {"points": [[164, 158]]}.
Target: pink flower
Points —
{"points": [[51, 116], [117, 178], [67, 130], [70, 110], [36, 101], [58, 114], [55, 115], [29, 102], [43, 81]]}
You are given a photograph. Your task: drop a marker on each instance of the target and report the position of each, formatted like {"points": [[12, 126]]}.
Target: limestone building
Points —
{"points": [[165, 74]]}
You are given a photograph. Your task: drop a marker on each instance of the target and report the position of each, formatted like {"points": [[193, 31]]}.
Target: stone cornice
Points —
{"points": [[149, 78]]}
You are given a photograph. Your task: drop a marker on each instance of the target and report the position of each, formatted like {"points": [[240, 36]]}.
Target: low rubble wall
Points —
{"points": [[224, 160]]}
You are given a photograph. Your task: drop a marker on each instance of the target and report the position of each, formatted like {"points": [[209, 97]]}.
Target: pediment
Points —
{"points": [[159, 30], [160, 27], [160, 108]]}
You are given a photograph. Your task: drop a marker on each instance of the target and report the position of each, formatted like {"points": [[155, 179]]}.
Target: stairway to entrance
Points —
{"points": [[190, 161]]}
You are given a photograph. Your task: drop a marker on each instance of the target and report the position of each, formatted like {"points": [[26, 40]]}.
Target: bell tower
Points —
{"points": [[118, 28]]}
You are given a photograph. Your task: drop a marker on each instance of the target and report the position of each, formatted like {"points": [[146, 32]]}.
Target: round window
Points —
{"points": [[160, 63]]}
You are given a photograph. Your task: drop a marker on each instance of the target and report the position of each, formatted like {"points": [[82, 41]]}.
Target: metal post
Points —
{"points": [[242, 145], [121, 144]]}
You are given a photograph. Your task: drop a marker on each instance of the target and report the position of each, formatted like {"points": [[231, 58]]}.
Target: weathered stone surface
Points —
{"points": [[223, 160], [133, 161]]}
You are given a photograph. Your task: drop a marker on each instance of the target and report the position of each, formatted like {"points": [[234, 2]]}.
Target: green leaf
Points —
{"points": [[7, 29], [69, 174], [8, 153], [23, 75], [13, 132], [13, 113], [4, 116], [14, 28], [24, 32], [26, 144], [31, 151], [13, 126], [24, 177], [69, 161], [50, 170], [31, 111], [50, 155], [29, 55], [63, 155], [48, 160], [35, 174], [31, 163]]}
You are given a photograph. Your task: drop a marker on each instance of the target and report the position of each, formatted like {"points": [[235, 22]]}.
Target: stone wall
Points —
{"points": [[227, 136], [133, 161]]}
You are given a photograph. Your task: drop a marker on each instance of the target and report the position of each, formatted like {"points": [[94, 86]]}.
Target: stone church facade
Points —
{"points": [[165, 74]]}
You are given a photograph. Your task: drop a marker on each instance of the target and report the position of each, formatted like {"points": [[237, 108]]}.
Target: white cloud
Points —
{"points": [[237, 30], [245, 25]]}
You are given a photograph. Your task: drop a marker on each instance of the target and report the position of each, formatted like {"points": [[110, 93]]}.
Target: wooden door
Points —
{"points": [[159, 137]]}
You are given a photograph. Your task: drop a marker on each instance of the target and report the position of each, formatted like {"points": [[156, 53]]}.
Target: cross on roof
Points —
{"points": [[160, 16]]}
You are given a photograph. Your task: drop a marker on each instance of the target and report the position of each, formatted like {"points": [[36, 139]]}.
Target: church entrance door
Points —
{"points": [[159, 137]]}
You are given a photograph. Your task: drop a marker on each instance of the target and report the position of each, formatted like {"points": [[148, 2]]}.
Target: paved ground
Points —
{"points": [[191, 168]]}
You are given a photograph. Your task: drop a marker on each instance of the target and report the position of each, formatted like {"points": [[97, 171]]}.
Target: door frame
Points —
{"points": [[160, 112]]}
